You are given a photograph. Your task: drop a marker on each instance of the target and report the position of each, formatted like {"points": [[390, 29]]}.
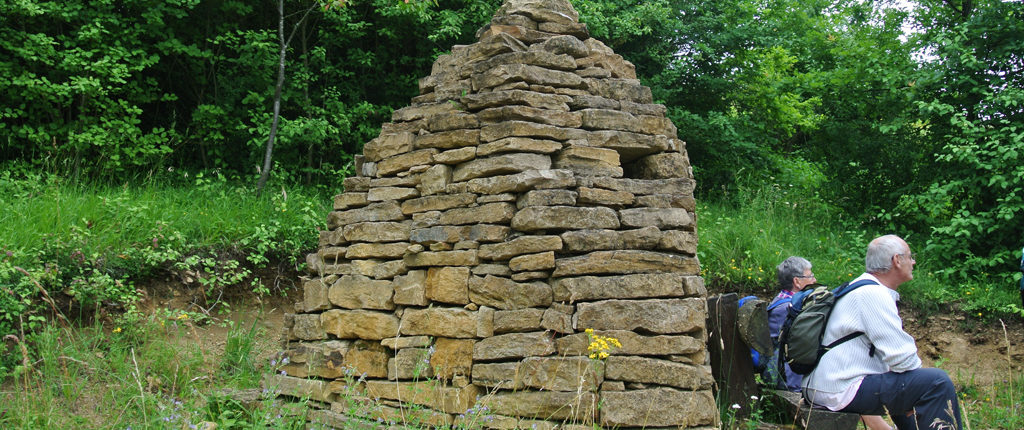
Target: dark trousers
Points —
{"points": [[926, 392]]}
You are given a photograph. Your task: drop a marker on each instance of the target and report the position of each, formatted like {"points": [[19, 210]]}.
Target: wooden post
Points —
{"points": [[731, 364]]}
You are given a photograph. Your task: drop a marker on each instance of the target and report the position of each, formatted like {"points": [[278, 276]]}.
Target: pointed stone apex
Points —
{"points": [[535, 20]]}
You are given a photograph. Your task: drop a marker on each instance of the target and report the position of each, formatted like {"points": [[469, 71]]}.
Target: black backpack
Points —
{"points": [[800, 338]]}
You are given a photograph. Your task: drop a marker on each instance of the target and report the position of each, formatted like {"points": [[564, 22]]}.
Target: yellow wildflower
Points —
{"points": [[117, 330]]}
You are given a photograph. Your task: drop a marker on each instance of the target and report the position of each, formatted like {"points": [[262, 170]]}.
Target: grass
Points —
{"points": [[92, 244], [147, 373]]}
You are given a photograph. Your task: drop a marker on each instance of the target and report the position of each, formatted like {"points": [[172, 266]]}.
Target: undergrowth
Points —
{"points": [[81, 249]]}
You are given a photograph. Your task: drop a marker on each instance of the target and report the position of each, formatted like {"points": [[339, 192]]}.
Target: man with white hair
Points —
{"points": [[880, 370]]}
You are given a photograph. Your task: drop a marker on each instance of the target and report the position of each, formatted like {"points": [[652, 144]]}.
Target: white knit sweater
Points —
{"points": [[872, 310]]}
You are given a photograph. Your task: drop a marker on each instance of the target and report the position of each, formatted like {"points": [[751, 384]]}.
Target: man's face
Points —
{"points": [[904, 263]]}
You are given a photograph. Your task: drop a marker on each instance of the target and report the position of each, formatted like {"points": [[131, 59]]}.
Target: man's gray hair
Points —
{"points": [[880, 251], [791, 268]]}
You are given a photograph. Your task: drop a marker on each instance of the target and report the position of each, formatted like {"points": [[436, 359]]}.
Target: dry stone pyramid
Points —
{"points": [[530, 192]]}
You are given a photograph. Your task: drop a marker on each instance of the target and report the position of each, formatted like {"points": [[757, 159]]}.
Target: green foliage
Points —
{"points": [[974, 106], [86, 246]]}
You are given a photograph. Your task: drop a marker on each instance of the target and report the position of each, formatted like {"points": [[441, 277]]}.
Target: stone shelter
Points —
{"points": [[530, 205]]}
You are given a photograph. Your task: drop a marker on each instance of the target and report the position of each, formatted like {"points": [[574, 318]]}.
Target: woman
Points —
{"points": [[793, 274]]}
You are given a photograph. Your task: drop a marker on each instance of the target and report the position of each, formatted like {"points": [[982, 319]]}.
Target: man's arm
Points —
{"points": [[884, 329]]}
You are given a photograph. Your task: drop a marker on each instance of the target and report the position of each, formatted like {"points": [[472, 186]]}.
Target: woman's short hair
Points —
{"points": [[789, 269], [878, 259]]}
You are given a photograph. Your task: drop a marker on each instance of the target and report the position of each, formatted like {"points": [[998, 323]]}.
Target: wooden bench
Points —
{"points": [[805, 417], [733, 370]]}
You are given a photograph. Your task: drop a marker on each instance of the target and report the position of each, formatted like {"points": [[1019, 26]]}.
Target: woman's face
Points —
{"points": [[799, 282]]}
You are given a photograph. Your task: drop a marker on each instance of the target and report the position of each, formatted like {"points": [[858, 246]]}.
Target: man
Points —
{"points": [[880, 370]]}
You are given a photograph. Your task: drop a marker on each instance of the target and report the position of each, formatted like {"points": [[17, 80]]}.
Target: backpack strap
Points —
{"points": [[839, 293], [846, 288], [780, 302]]}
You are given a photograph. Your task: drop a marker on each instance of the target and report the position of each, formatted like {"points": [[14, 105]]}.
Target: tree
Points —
{"points": [[268, 152], [971, 103]]}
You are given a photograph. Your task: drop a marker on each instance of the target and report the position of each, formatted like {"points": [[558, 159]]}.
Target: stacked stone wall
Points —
{"points": [[532, 191]]}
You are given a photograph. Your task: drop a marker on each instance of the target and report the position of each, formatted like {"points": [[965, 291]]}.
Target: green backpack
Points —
{"points": [[801, 334]]}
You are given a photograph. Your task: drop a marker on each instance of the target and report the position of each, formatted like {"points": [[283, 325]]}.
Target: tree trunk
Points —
{"points": [[268, 153]]}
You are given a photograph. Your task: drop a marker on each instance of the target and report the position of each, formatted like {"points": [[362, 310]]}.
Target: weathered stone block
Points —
{"points": [[321, 359], [361, 292], [359, 324], [499, 375], [308, 327], [384, 211], [500, 165], [649, 370], [299, 387], [589, 161], [452, 357], [448, 139], [678, 186], [526, 113], [368, 357], [596, 240], [349, 200], [355, 184], [517, 320], [663, 218], [388, 145], [412, 113], [625, 262], [381, 194], [658, 407], [377, 269], [662, 316], [442, 322], [442, 258], [437, 203], [557, 318], [661, 166], [502, 293], [403, 342], [452, 400], [502, 130], [402, 162], [630, 146], [520, 182], [314, 295], [452, 121], [533, 262], [561, 373], [434, 180], [410, 363], [491, 213], [376, 250], [448, 284], [668, 201], [633, 344], [456, 156], [519, 145], [505, 73], [564, 218], [551, 405], [519, 246], [679, 241], [513, 345], [491, 99], [589, 288], [411, 288], [547, 198], [597, 196], [377, 232]]}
